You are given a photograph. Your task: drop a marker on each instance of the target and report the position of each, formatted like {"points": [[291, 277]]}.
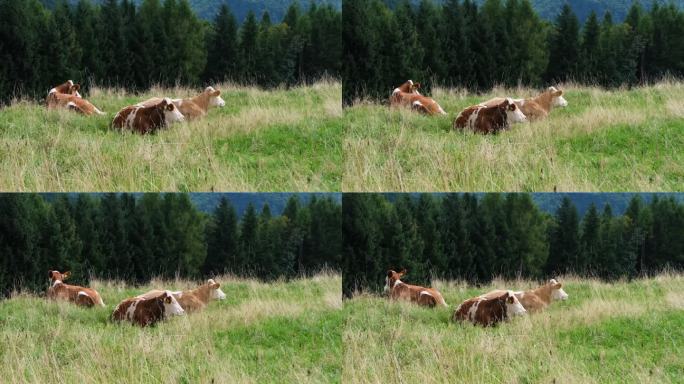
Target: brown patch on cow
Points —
{"points": [[147, 312], [191, 108], [145, 120], [487, 120], [398, 290], [533, 300], [82, 296], [407, 96], [191, 300], [488, 312], [534, 108]]}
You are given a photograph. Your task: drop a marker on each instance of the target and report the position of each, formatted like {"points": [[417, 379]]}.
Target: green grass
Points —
{"points": [[627, 332], [283, 332], [623, 140], [260, 141]]}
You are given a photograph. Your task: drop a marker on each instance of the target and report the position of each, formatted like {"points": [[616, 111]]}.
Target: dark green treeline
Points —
{"points": [[502, 42], [135, 238], [160, 42], [477, 238]]}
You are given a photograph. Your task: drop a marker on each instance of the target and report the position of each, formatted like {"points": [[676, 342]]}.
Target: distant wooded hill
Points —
{"points": [[207, 9], [549, 9]]}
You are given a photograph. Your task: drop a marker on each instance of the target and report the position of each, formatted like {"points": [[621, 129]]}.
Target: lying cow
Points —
{"points": [[407, 95], [539, 107], [196, 299], [398, 290], [66, 96], [86, 297], [489, 311], [149, 119], [485, 120], [538, 299], [194, 107], [147, 311]]}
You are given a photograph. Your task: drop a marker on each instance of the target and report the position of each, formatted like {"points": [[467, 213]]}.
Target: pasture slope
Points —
{"points": [[622, 140], [627, 332], [261, 333], [278, 140]]}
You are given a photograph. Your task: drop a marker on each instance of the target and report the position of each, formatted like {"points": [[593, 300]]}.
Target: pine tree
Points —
{"points": [[564, 47]]}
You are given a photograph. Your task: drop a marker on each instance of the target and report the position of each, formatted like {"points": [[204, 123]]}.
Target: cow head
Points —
{"points": [[557, 99], [513, 306], [215, 290], [513, 113], [392, 278], [171, 113], [56, 276], [68, 88], [557, 292], [170, 304], [215, 99], [408, 87]]}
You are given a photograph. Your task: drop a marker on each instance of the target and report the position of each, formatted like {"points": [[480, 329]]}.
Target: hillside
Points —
{"points": [[622, 332], [261, 141], [586, 146], [207, 9], [549, 9], [241, 339]]}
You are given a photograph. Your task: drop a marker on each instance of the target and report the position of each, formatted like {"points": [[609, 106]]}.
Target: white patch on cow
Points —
{"points": [[473, 118], [53, 90], [396, 90], [397, 283], [54, 283], [217, 102], [426, 293], [473, 310], [417, 104], [131, 118], [557, 294], [78, 95], [441, 110], [216, 293], [560, 102], [387, 287], [515, 116], [515, 309], [130, 312], [173, 308], [172, 116], [81, 293], [71, 104], [98, 111]]}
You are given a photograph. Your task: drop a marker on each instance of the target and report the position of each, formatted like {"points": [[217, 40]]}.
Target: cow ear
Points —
{"points": [[215, 286], [557, 286], [170, 107], [512, 107], [511, 299], [390, 273], [558, 93], [75, 88], [403, 271], [216, 93], [167, 299], [66, 275], [50, 274]]}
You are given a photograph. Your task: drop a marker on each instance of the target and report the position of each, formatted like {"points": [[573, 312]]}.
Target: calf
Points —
{"points": [[398, 290], [148, 119], [407, 95], [86, 297], [485, 120], [196, 299], [194, 107], [489, 311], [147, 311], [536, 107], [66, 96], [536, 300]]}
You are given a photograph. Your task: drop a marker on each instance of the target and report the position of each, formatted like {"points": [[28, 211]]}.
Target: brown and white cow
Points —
{"points": [[194, 107], [485, 120], [66, 96], [150, 119], [489, 311], [398, 290], [535, 300], [407, 95], [536, 107], [86, 297], [147, 311], [195, 299]]}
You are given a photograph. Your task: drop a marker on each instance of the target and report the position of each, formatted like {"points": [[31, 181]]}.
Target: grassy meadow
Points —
{"points": [[621, 140], [276, 140], [282, 332], [627, 332]]}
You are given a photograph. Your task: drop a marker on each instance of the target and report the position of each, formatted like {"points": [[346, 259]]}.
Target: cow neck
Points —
{"points": [[202, 100], [544, 100], [202, 293], [544, 293]]}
